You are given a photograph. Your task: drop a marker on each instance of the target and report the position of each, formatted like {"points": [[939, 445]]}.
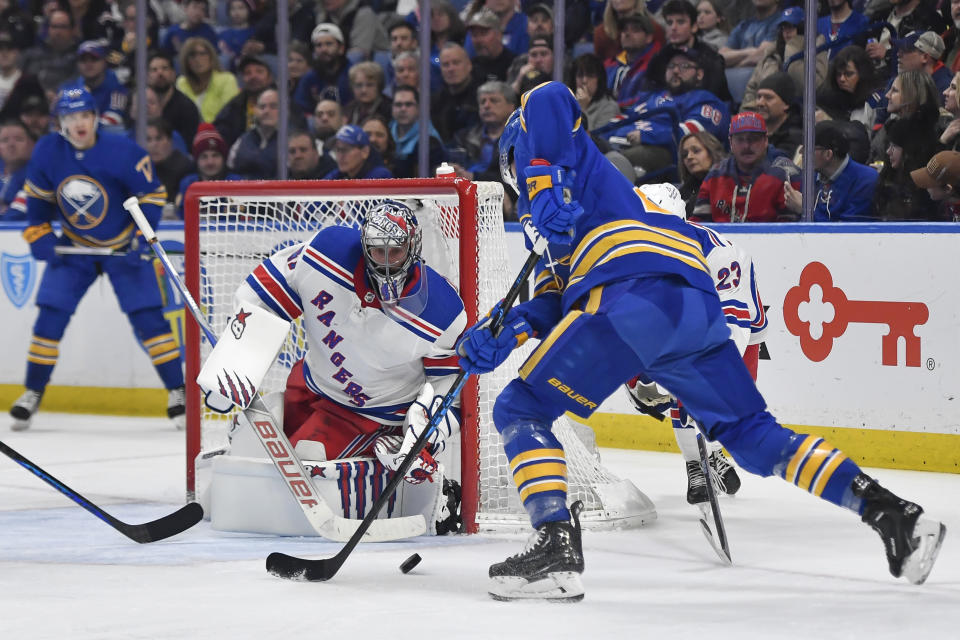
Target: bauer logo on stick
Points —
{"points": [[239, 323]]}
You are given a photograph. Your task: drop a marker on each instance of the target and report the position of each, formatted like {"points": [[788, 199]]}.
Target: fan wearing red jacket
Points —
{"points": [[750, 185]]}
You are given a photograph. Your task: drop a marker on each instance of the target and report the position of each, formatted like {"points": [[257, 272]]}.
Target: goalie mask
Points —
{"points": [[391, 250]]}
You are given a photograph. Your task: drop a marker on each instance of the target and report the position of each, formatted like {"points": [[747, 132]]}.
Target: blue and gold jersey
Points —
{"points": [[84, 189], [621, 234]]}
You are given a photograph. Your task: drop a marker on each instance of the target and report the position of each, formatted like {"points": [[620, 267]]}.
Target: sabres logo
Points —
{"points": [[83, 201]]}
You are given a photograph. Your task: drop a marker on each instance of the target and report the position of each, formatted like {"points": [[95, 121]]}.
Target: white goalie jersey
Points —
{"points": [[370, 358]]}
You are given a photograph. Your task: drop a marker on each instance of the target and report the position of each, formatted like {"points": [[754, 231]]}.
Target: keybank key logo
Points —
{"points": [[18, 273], [801, 305]]}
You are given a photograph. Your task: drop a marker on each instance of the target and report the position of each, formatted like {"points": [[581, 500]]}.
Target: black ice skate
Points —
{"points": [[696, 483], [24, 408], [450, 520], [724, 474], [911, 544], [177, 407], [548, 568]]}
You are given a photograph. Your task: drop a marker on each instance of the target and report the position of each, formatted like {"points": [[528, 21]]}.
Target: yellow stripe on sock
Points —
{"points": [[534, 454], [44, 351], [539, 470], [824, 477], [812, 464], [798, 457], [553, 485], [173, 355]]}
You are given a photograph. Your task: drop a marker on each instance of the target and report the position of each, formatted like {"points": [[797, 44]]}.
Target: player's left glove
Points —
{"points": [[391, 450], [482, 352], [648, 397], [554, 213]]}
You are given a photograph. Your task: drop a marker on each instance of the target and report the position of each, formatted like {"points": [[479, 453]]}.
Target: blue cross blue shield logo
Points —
{"points": [[18, 274]]}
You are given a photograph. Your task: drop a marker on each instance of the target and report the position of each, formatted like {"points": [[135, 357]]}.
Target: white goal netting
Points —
{"points": [[242, 225]]}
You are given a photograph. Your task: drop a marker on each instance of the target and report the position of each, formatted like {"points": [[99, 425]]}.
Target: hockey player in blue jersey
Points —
{"points": [[627, 290], [79, 177]]}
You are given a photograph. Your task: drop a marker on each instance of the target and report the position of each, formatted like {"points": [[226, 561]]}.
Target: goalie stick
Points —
{"points": [[169, 525], [290, 567], [718, 542], [317, 512]]}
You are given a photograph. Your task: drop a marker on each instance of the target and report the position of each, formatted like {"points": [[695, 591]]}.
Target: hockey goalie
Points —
{"points": [[380, 327]]}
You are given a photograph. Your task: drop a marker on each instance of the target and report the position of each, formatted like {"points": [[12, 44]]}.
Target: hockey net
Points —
{"points": [[231, 227]]}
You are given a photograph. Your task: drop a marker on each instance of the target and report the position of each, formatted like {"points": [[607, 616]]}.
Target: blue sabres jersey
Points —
{"points": [[621, 235], [84, 189]]}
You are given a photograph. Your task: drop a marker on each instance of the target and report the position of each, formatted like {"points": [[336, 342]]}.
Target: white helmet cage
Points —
{"points": [[390, 225]]}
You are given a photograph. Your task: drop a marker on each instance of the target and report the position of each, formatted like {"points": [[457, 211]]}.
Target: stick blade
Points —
{"points": [[293, 568], [165, 527]]}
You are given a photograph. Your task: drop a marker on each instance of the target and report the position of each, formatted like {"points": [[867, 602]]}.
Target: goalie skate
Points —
{"points": [[548, 568], [911, 544], [23, 409]]}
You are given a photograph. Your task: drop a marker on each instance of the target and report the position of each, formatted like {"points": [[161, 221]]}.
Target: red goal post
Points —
{"points": [[230, 227]]}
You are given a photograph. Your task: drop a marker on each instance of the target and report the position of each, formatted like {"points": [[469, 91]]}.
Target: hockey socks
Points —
{"points": [[815, 465], [539, 471], [154, 334]]}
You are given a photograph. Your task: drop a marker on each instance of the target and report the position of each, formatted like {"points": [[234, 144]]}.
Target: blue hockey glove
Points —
{"points": [[482, 352], [138, 252], [553, 212], [43, 244]]}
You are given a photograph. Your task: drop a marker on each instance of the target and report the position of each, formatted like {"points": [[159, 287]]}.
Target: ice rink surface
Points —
{"points": [[802, 568]]}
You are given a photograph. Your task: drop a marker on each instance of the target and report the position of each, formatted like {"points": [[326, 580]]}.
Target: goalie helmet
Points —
{"points": [[508, 140], [667, 197], [391, 240]]}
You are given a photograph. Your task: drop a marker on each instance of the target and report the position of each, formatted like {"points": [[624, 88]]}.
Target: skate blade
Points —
{"points": [[708, 533], [20, 425], [929, 535], [559, 586]]}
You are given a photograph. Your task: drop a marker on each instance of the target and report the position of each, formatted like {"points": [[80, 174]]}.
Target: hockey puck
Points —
{"points": [[410, 563]]}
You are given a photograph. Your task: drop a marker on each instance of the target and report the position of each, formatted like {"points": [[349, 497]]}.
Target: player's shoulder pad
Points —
{"points": [[444, 304], [339, 244], [51, 142]]}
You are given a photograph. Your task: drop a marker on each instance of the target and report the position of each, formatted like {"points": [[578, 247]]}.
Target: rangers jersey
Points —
{"points": [[732, 270], [369, 358]]}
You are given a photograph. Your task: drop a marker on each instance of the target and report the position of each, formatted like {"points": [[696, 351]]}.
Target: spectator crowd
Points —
{"points": [[705, 94]]}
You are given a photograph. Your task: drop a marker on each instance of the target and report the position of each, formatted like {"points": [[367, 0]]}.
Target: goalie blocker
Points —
{"points": [[241, 491]]}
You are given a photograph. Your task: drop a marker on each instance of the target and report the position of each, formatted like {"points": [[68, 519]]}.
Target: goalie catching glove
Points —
{"points": [[648, 397], [481, 352], [391, 450]]}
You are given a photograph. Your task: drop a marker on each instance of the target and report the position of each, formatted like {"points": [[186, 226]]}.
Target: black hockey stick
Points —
{"points": [[284, 566], [170, 525], [724, 547]]}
